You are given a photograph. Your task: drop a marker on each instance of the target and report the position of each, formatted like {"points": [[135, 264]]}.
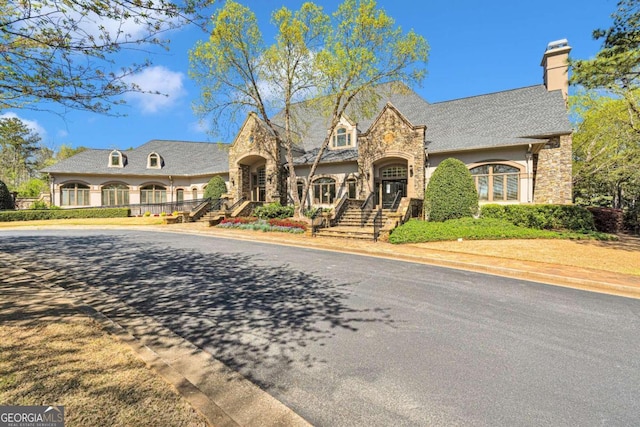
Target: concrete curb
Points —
{"points": [[221, 395]]}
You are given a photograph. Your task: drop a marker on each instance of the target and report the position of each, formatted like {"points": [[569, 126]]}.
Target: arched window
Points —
{"points": [[74, 194], [116, 159], [341, 138], [115, 195], [194, 193], [179, 195], [154, 161], [324, 190], [153, 194], [497, 182]]}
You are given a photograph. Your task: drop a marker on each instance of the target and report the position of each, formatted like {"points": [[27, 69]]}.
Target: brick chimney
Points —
{"points": [[556, 66]]}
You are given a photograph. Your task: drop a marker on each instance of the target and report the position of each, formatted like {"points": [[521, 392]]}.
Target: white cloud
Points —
{"points": [[31, 124], [157, 79]]}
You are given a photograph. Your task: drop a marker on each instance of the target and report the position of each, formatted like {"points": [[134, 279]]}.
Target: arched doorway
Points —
{"points": [[392, 179], [252, 178]]}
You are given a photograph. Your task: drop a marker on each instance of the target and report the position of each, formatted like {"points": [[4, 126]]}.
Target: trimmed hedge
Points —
{"points": [[32, 215], [542, 217]]}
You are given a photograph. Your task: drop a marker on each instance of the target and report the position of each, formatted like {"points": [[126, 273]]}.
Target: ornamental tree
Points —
{"points": [[62, 52], [337, 60], [215, 188]]}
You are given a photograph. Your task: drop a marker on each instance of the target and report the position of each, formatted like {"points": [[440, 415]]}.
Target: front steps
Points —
{"points": [[350, 224]]}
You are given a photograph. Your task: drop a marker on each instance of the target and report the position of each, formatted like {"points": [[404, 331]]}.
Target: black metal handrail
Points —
{"points": [[366, 209], [377, 224], [315, 223], [396, 201], [159, 208], [340, 208], [233, 207]]}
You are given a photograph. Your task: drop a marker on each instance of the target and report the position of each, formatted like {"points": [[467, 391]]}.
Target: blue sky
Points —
{"points": [[477, 47]]}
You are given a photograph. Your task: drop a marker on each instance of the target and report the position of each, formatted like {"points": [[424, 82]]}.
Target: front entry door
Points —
{"points": [[390, 189]]}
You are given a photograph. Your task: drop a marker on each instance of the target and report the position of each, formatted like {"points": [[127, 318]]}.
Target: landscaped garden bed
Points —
{"points": [[266, 225]]}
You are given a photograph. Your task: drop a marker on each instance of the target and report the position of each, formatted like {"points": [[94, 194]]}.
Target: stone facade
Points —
{"points": [[253, 153], [553, 171], [392, 138]]}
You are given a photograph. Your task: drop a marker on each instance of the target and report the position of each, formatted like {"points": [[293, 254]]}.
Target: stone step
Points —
{"points": [[365, 233]]}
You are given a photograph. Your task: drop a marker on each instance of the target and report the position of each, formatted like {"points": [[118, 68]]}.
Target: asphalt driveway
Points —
{"points": [[351, 340]]}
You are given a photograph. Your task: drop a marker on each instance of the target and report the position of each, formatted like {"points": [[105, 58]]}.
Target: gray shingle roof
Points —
{"points": [[329, 156], [511, 117], [180, 158]]}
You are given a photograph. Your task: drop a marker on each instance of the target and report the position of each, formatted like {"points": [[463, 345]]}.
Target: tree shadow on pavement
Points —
{"points": [[244, 313]]}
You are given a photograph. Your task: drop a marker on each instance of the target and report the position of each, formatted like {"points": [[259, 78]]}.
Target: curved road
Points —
{"points": [[352, 340]]}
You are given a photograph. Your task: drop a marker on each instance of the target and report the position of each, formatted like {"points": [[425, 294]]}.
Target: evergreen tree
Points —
{"points": [[451, 192]]}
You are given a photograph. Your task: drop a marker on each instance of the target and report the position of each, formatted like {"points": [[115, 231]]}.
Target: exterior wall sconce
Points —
{"points": [[411, 170], [233, 182]]}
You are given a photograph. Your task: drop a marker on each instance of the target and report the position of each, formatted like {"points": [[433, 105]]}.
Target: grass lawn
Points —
{"points": [[100, 381]]}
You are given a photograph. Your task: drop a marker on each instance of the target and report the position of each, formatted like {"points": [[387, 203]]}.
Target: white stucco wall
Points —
{"points": [[510, 155], [96, 182]]}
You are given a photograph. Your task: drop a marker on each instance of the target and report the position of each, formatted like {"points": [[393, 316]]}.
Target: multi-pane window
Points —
{"points": [[179, 195], [394, 172], [497, 182], [74, 194], [342, 138], [115, 195], [153, 194], [324, 190]]}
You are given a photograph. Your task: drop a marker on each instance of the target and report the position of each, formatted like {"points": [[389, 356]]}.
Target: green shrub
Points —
{"points": [[215, 188], [33, 188], [6, 199], [31, 215], [416, 231], [451, 192], [273, 210], [39, 205], [543, 217]]}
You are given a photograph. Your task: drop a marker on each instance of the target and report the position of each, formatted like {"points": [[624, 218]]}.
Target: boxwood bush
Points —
{"points": [[542, 217], [31, 215], [451, 192], [273, 210]]}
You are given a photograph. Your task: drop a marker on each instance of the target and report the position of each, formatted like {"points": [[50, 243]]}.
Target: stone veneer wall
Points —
{"points": [[553, 178], [393, 136], [254, 140]]}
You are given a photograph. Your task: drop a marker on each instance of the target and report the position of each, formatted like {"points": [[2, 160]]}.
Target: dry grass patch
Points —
{"points": [[98, 379], [621, 256]]}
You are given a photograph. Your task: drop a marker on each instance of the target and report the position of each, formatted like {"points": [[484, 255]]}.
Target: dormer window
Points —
{"points": [[116, 159], [154, 161], [344, 135]]}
